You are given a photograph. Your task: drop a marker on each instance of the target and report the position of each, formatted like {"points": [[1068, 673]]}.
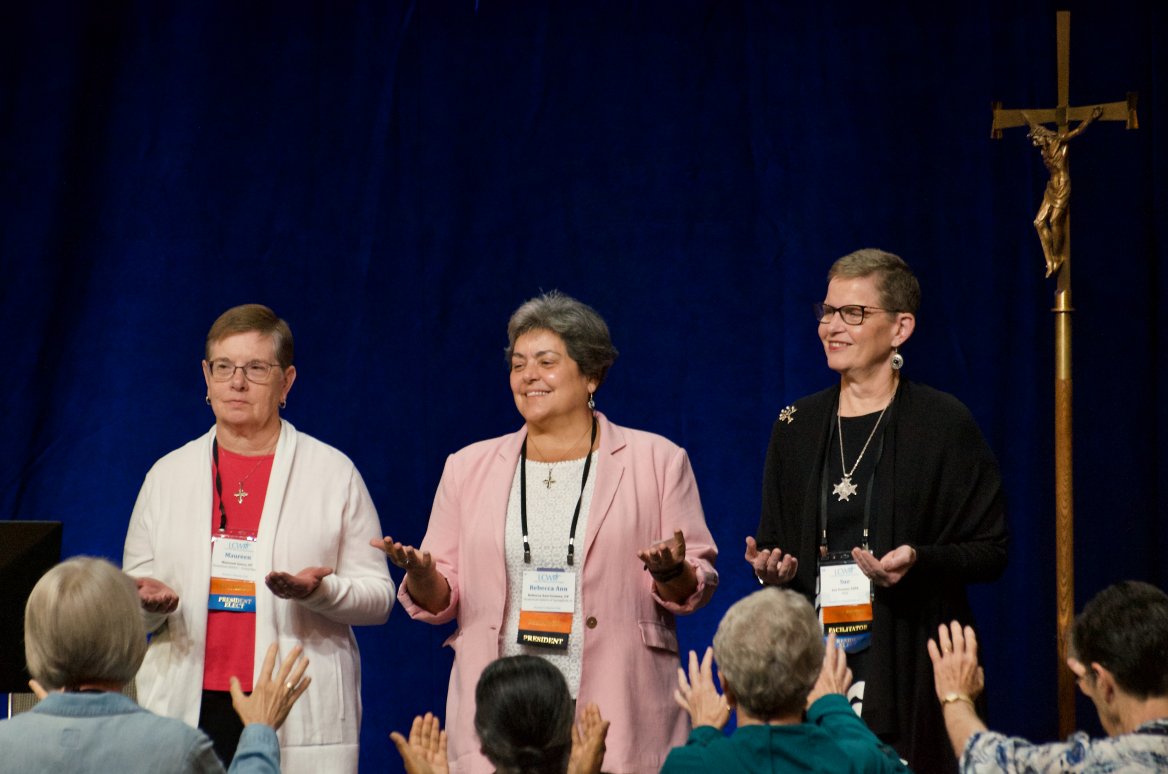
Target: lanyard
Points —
{"points": [[219, 485], [523, 498]]}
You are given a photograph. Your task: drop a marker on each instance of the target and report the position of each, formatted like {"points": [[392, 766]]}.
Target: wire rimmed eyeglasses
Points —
{"points": [[852, 314], [256, 372]]}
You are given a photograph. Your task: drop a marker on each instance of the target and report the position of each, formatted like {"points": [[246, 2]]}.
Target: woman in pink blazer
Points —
{"points": [[592, 531]]}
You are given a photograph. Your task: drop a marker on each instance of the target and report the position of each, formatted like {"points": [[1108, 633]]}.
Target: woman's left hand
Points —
{"points": [[298, 586], [664, 555], [890, 568], [698, 696]]}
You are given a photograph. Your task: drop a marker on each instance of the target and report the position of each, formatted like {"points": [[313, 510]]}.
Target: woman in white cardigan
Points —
{"points": [[256, 534]]}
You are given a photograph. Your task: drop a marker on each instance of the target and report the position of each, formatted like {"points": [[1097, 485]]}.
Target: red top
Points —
{"points": [[230, 647]]}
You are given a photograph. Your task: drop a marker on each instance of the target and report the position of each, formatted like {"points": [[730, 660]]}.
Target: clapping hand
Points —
{"points": [[425, 751], [698, 696], [588, 742]]}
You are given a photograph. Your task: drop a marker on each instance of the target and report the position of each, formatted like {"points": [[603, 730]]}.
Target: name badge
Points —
{"points": [[545, 613], [233, 573], [845, 595]]}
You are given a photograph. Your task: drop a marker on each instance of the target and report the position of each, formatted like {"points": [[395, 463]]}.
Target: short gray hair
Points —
{"points": [[769, 648], [898, 286], [584, 332], [82, 623]]}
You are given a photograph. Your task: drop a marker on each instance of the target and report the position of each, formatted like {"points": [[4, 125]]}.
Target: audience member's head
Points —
{"points": [[82, 625], [523, 716], [1124, 629], [769, 649]]}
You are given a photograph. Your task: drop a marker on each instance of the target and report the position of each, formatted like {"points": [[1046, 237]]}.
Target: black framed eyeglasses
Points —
{"points": [[256, 372], [852, 314]]}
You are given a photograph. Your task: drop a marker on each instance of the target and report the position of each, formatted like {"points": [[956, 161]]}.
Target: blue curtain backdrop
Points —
{"points": [[394, 178]]}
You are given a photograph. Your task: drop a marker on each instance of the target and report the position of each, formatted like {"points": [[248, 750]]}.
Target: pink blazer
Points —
{"points": [[645, 489]]}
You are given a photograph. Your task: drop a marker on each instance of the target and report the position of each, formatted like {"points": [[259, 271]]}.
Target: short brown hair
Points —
{"points": [[253, 317], [898, 286]]}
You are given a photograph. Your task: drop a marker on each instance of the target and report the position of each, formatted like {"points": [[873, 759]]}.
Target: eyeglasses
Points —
{"points": [[256, 372], [852, 314]]}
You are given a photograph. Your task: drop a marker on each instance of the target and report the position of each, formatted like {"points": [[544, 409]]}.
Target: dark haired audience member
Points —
{"points": [[788, 693], [524, 722], [1119, 655]]}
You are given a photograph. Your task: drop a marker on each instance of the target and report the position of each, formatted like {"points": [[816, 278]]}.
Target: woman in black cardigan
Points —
{"points": [[886, 493]]}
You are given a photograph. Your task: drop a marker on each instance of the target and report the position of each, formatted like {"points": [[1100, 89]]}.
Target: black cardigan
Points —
{"points": [[937, 489]]}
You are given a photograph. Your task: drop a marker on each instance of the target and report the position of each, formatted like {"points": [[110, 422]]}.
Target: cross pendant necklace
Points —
{"points": [[241, 493], [547, 482]]}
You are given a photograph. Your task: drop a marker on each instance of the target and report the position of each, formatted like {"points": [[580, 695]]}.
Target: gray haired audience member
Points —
{"points": [[1119, 655], [84, 641], [787, 691], [524, 721]]}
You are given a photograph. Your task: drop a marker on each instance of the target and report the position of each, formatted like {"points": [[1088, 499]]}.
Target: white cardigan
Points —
{"points": [[317, 513]]}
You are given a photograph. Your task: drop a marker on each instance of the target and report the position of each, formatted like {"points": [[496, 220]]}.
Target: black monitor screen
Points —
{"points": [[28, 549]]}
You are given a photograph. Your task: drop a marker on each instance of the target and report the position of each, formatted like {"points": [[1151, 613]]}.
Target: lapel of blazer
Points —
{"points": [[495, 496], [610, 469], [274, 499]]}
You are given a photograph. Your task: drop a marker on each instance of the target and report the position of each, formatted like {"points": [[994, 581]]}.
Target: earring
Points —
{"points": [[897, 360], [208, 399], [591, 402], [284, 403]]}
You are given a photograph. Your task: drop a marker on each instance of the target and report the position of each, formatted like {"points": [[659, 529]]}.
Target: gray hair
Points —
{"points": [[769, 649], [898, 286], [584, 332], [82, 623]]}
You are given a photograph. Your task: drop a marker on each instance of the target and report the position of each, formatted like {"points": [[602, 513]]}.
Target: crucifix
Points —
{"points": [[1053, 226]]}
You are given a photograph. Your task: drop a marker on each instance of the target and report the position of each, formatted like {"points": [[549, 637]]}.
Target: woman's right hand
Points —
{"points": [[423, 582], [416, 563], [771, 566]]}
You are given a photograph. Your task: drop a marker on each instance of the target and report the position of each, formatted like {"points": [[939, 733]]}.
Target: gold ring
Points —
{"points": [[289, 686]]}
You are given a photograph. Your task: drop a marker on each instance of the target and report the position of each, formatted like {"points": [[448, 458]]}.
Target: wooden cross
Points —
{"points": [[1053, 226]]}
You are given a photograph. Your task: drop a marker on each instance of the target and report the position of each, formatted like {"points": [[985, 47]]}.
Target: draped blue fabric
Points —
{"points": [[395, 178]]}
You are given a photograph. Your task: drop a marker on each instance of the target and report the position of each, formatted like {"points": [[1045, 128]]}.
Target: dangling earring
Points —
{"points": [[591, 403], [897, 360], [208, 399]]}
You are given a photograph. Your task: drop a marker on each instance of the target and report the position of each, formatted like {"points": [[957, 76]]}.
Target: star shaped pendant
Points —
{"points": [[844, 489]]}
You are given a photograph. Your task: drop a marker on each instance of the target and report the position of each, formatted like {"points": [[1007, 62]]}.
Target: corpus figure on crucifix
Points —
{"points": [[1050, 222]]}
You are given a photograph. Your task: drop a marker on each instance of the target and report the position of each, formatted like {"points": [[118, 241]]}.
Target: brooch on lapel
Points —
{"points": [[788, 414]]}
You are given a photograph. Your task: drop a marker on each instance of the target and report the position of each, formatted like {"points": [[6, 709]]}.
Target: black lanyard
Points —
{"points": [[523, 498], [219, 485]]}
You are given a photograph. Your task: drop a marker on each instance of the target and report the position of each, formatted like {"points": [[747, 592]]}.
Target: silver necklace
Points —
{"points": [[845, 488]]}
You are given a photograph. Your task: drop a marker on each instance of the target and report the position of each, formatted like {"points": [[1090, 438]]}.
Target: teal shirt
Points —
{"points": [[833, 740]]}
